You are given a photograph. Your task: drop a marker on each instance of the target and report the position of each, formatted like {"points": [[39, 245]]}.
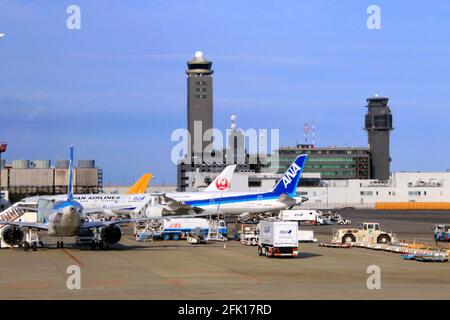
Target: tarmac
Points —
{"points": [[230, 270]]}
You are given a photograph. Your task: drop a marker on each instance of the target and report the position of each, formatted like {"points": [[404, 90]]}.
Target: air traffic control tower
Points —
{"points": [[199, 100], [378, 123]]}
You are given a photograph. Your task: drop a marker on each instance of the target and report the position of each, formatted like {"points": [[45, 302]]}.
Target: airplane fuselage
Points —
{"points": [[211, 202], [66, 220], [90, 201], [231, 202]]}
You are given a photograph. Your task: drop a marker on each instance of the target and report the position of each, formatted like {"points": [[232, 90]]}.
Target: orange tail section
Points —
{"points": [[141, 185]]}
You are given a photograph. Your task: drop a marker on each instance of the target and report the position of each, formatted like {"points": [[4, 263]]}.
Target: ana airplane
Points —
{"points": [[282, 196], [65, 218]]}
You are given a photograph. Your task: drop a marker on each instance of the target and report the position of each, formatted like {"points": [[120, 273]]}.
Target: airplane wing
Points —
{"points": [[85, 210], [98, 224], [33, 225], [102, 209], [178, 206]]}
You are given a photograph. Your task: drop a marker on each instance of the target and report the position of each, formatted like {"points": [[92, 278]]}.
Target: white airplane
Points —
{"points": [[2, 35], [282, 196], [132, 198], [135, 199]]}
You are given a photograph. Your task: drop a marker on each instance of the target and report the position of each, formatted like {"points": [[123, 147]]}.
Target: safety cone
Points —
{"points": [[225, 246]]}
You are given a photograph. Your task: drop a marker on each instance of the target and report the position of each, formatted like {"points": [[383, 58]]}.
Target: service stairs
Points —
{"points": [[213, 232], [11, 214], [14, 213]]}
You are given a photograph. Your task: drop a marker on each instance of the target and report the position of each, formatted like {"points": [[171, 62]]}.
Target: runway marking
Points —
{"points": [[175, 281], [81, 264]]}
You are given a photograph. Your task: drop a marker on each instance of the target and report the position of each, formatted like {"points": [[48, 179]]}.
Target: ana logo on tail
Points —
{"points": [[222, 184], [290, 174]]}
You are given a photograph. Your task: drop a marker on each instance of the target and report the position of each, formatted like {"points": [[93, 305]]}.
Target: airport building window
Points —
{"points": [[331, 159], [330, 166], [338, 173], [367, 193], [201, 96]]}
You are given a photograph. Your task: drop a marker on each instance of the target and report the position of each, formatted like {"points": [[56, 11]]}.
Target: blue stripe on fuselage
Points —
{"points": [[234, 199]]}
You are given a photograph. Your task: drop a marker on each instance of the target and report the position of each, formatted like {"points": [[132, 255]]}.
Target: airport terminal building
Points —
{"points": [[403, 190], [329, 162]]}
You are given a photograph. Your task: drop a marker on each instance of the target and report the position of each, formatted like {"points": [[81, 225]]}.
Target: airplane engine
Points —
{"points": [[12, 235], [156, 211], [111, 234]]}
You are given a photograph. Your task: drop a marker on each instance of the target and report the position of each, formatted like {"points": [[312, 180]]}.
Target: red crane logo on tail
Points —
{"points": [[222, 184]]}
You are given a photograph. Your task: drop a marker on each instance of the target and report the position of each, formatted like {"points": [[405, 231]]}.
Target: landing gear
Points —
{"points": [[31, 240], [98, 244], [33, 245], [60, 244], [26, 246]]}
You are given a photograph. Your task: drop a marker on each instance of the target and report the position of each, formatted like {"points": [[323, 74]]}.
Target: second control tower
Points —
{"points": [[378, 124]]}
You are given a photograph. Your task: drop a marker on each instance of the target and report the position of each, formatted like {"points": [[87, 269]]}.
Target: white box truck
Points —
{"points": [[278, 239], [304, 217]]}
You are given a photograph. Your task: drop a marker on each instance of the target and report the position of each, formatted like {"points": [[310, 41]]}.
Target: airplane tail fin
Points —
{"points": [[141, 185], [223, 180], [70, 186], [289, 181]]}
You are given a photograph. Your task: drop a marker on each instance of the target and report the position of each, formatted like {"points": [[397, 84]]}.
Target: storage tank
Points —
{"points": [[62, 164], [42, 164], [86, 163], [21, 164]]}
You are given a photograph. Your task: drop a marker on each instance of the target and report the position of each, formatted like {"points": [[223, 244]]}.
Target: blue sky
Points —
{"points": [[117, 88]]}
